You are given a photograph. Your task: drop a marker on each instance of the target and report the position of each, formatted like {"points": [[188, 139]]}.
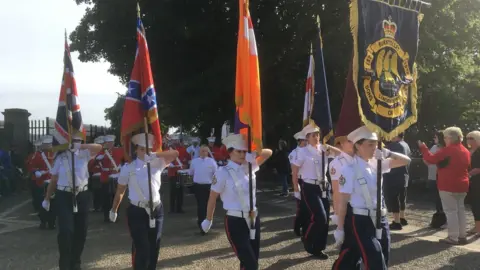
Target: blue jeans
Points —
{"points": [[283, 178]]}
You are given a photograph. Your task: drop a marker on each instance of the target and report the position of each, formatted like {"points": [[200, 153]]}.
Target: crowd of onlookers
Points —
{"points": [[12, 172]]}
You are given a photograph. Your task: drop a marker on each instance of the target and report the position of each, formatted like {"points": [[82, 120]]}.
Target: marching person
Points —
{"points": [[315, 189], [231, 183], [71, 205], [110, 159], [202, 168], [301, 216], [40, 166], [95, 170], [176, 185], [194, 149], [357, 202], [146, 236], [36, 191]]}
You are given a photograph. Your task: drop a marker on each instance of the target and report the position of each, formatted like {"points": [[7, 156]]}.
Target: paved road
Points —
{"points": [[24, 247]]}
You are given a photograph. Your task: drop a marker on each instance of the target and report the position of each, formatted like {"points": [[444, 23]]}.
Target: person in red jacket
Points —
{"points": [[40, 166], [176, 185], [110, 160], [453, 162], [216, 152], [95, 170], [36, 193]]}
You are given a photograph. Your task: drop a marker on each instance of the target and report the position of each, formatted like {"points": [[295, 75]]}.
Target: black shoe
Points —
{"points": [[51, 226], [462, 241], [43, 226], [76, 267], [396, 226], [404, 222], [297, 232], [321, 255]]}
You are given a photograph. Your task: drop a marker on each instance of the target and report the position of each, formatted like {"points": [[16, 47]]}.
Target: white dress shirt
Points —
{"points": [[82, 157], [203, 170], [348, 181], [337, 165], [194, 151], [139, 168], [224, 184], [308, 159]]}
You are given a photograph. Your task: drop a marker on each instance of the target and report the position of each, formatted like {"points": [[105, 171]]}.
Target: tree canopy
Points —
{"points": [[193, 50]]}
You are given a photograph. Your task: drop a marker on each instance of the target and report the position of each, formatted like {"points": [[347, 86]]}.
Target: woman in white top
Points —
{"points": [[231, 183], [357, 202], [145, 226], [432, 178], [72, 201]]}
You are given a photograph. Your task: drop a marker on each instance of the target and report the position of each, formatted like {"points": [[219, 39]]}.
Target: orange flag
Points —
{"points": [[247, 87]]}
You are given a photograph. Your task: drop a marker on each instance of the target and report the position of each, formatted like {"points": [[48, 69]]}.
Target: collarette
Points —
{"points": [[234, 165]]}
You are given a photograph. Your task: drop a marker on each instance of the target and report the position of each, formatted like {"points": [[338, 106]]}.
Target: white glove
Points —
{"points": [[38, 174], [339, 236], [99, 157], [382, 154], [297, 195], [206, 225], [324, 147], [112, 216], [250, 157], [46, 205], [334, 219]]}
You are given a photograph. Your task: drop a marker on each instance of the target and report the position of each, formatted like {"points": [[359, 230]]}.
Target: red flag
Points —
{"points": [[140, 101]]}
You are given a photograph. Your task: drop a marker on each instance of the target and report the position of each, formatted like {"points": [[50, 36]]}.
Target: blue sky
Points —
{"points": [[31, 61]]}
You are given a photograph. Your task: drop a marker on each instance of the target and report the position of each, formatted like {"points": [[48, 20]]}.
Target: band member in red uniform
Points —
{"points": [[216, 152], [95, 170], [40, 166], [176, 186], [36, 193], [110, 159]]}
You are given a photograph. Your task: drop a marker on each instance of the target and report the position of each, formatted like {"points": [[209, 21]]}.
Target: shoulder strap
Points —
{"points": [[238, 188], [211, 154], [46, 161], [111, 159], [363, 186], [133, 180]]}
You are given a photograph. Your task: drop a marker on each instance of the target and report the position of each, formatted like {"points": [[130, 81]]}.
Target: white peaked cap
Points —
{"points": [[99, 140], [109, 138], [195, 139], [139, 140], [362, 133], [47, 139], [211, 139], [236, 141], [77, 137], [310, 129], [37, 143], [299, 136]]}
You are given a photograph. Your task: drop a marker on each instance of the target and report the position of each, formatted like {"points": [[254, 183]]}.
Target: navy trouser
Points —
{"points": [[107, 200], [238, 234], [176, 194], [146, 240], [72, 227], [350, 257], [315, 238], [395, 193], [301, 220], [202, 193], [46, 217], [374, 253]]}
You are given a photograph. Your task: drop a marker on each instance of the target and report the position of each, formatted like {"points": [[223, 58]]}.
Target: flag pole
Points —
{"points": [[250, 184], [150, 201]]}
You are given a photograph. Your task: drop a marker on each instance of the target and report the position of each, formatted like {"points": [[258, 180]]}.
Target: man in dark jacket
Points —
{"points": [[282, 166]]}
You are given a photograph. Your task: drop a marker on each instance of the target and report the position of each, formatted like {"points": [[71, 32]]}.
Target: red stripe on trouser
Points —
{"points": [[312, 216], [364, 255], [230, 240], [340, 258]]}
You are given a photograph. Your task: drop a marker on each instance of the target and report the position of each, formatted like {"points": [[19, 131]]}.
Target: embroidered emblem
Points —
{"points": [[341, 180], [333, 171], [214, 180]]}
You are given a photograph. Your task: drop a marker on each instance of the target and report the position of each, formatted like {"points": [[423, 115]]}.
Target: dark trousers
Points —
{"points": [[474, 198], [176, 194], [46, 217], [283, 178], [395, 194], [432, 186], [72, 227], [315, 237], [146, 240], [202, 193], [301, 216], [374, 253], [35, 192], [350, 256], [96, 187], [238, 234], [107, 200]]}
